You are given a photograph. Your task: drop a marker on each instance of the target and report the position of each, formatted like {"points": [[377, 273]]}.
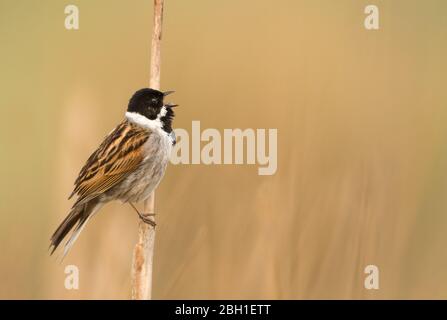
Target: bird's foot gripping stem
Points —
{"points": [[145, 217]]}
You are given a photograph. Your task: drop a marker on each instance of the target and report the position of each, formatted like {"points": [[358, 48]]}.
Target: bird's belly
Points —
{"points": [[144, 182], [138, 185]]}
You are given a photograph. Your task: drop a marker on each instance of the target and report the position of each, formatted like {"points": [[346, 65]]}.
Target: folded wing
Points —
{"points": [[119, 155]]}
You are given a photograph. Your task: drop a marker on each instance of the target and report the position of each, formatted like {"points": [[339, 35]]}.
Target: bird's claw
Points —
{"points": [[147, 220]]}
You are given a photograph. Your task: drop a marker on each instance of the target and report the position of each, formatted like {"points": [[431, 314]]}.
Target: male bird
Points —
{"points": [[127, 166]]}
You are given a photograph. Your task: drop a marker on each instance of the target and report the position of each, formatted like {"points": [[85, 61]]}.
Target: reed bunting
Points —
{"points": [[127, 166]]}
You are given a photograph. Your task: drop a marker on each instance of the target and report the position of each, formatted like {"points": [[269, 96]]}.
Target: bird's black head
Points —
{"points": [[149, 103]]}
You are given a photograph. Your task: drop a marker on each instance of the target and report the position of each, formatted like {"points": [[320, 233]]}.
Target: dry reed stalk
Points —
{"points": [[144, 250]]}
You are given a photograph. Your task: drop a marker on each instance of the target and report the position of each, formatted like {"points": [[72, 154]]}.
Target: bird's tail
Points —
{"points": [[76, 221]]}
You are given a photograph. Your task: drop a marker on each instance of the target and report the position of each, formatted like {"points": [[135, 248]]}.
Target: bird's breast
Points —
{"points": [[146, 178]]}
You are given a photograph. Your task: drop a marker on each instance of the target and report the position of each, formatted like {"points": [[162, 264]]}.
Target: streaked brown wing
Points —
{"points": [[119, 155]]}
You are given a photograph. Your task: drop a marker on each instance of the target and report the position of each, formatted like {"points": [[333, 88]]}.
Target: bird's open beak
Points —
{"points": [[167, 93], [171, 105]]}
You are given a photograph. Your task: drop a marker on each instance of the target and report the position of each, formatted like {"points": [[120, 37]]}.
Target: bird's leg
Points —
{"points": [[144, 217]]}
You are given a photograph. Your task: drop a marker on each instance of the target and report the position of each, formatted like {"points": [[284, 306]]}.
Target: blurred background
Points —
{"points": [[362, 158]]}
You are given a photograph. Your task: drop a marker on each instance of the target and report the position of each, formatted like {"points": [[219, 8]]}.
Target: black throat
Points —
{"points": [[166, 120]]}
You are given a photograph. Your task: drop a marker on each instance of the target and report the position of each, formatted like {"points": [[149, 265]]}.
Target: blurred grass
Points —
{"points": [[361, 128]]}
